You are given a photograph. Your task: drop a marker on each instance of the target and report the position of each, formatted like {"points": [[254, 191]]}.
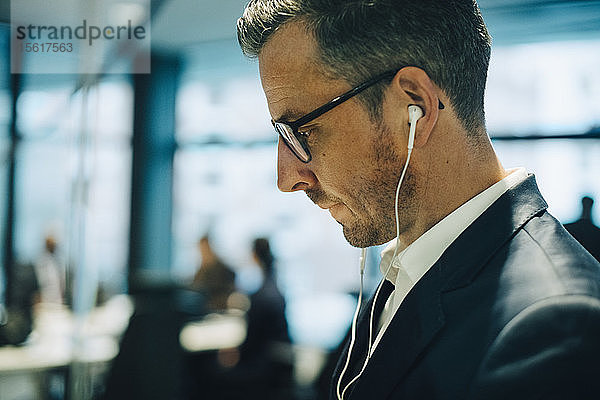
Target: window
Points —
{"points": [[73, 188], [5, 119], [565, 170], [544, 88]]}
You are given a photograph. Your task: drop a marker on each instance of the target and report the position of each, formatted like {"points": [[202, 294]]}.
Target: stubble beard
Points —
{"points": [[377, 223], [373, 215]]}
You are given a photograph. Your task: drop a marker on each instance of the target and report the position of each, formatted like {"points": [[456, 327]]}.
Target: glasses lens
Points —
{"points": [[292, 141]]}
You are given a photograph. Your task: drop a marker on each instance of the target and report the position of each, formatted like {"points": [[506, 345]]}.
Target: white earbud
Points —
{"points": [[414, 114]]}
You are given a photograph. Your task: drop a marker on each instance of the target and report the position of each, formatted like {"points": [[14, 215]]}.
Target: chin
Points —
{"points": [[365, 236]]}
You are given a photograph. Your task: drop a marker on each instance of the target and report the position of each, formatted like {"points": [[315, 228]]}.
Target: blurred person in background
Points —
{"points": [[266, 316], [17, 321], [50, 273], [214, 278], [584, 229], [267, 345], [262, 367], [379, 108]]}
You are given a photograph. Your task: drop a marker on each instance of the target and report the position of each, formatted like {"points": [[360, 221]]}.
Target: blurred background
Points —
{"points": [[109, 182]]}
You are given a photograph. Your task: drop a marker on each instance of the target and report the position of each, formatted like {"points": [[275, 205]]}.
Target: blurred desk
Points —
{"points": [[214, 332], [60, 340]]}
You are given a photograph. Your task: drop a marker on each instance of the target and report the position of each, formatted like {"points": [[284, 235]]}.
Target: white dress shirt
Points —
{"points": [[413, 262]]}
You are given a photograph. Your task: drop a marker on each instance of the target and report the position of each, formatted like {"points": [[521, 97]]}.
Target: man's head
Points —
{"points": [[586, 207], [312, 51], [358, 38], [205, 248], [50, 244]]}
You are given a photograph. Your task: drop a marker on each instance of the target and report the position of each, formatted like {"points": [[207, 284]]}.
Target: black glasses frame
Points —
{"points": [[287, 130]]}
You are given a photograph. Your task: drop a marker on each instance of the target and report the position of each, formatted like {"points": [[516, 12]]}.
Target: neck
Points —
{"points": [[453, 172]]}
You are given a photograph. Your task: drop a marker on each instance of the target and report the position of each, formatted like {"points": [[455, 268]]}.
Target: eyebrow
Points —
{"points": [[289, 116]]}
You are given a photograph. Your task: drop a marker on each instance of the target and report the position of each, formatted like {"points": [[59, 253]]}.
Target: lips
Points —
{"points": [[326, 206]]}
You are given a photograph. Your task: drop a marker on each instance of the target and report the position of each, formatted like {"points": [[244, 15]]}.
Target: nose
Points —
{"points": [[292, 174]]}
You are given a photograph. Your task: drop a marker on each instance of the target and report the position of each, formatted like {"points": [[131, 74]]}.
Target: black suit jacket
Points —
{"points": [[511, 310]]}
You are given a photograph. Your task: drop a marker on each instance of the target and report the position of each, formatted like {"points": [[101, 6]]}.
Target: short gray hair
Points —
{"points": [[360, 38]]}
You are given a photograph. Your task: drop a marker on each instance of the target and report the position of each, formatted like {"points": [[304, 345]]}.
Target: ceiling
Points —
{"points": [[521, 21], [178, 24], [186, 22]]}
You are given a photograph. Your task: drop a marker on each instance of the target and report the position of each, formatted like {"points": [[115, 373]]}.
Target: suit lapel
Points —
{"points": [[412, 328]]}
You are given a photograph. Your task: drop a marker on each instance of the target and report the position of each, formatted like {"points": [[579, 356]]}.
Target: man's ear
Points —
{"points": [[413, 86]]}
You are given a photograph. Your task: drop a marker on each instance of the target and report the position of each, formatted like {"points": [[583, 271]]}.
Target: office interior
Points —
{"points": [[126, 172]]}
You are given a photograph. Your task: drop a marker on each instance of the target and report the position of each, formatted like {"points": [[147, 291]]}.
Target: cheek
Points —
{"points": [[346, 163], [352, 181], [344, 158], [346, 134]]}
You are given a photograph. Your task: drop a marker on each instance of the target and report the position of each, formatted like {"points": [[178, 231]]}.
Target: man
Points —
{"points": [[214, 278], [485, 295], [584, 229], [50, 273]]}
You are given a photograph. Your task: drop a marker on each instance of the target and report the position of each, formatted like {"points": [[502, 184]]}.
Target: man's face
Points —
{"points": [[355, 163]]}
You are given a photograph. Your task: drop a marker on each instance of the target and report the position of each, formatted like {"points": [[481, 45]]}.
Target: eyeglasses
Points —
{"points": [[296, 141]]}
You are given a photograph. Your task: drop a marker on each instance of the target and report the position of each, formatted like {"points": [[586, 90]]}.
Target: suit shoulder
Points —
{"points": [[541, 261], [545, 256], [545, 351]]}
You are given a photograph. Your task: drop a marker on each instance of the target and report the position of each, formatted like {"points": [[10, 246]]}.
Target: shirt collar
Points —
{"points": [[420, 255]]}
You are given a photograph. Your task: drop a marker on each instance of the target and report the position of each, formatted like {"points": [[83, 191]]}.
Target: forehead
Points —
{"points": [[291, 74]]}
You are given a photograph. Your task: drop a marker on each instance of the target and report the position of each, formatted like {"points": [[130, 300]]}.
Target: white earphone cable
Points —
{"points": [[354, 319]]}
